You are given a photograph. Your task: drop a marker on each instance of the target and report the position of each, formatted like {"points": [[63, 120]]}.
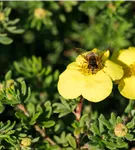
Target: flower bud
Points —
{"points": [[120, 130], [39, 13], [26, 142], [2, 16]]}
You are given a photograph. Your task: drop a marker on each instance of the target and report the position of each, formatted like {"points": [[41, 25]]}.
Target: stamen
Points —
{"points": [[84, 69]]}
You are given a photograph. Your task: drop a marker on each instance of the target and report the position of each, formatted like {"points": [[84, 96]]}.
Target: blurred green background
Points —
{"points": [[54, 30], [62, 26], [37, 41]]}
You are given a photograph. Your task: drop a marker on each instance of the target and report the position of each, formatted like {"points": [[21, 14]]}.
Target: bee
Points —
{"points": [[94, 61]]}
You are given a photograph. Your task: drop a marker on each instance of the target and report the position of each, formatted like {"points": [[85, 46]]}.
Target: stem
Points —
{"points": [[78, 111], [23, 109], [77, 114], [85, 147], [36, 126]]}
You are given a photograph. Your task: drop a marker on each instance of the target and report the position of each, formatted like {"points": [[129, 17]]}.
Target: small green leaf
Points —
{"points": [[31, 108], [129, 136], [94, 129], [83, 119], [131, 124], [10, 127], [34, 118], [71, 140], [28, 95], [2, 108], [119, 120], [35, 140], [59, 126], [8, 75], [48, 124], [48, 109], [14, 30], [101, 128], [113, 119], [5, 40], [5, 126], [57, 139], [20, 115], [122, 145], [55, 147], [105, 122], [23, 88], [110, 145]]}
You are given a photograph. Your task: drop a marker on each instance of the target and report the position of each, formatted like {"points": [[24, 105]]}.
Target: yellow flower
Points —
{"points": [[91, 79], [39, 13], [126, 58]]}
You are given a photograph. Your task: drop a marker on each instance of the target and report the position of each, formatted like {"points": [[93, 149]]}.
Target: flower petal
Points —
{"points": [[127, 87], [105, 55], [73, 66], [113, 70], [97, 87], [127, 56], [70, 83]]}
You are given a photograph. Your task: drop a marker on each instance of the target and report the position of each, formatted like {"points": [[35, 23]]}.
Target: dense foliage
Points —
{"points": [[37, 41]]}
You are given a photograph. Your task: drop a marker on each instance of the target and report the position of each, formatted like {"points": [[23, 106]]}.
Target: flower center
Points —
{"points": [[84, 69], [87, 69]]}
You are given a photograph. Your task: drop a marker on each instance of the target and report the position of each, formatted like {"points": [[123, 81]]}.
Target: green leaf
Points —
{"points": [[28, 95], [101, 128], [131, 124], [83, 119], [2, 108], [105, 122], [34, 118], [110, 145], [122, 145], [20, 115], [10, 127], [64, 113], [14, 30], [35, 140], [59, 126], [23, 88], [8, 75], [113, 119], [48, 124], [61, 109], [54, 147], [71, 140], [5, 126], [119, 120], [31, 108], [129, 136], [57, 139], [48, 109], [95, 129], [13, 22], [5, 40], [7, 11]]}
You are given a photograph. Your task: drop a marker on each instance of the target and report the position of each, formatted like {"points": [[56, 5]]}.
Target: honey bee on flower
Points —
{"points": [[91, 76]]}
